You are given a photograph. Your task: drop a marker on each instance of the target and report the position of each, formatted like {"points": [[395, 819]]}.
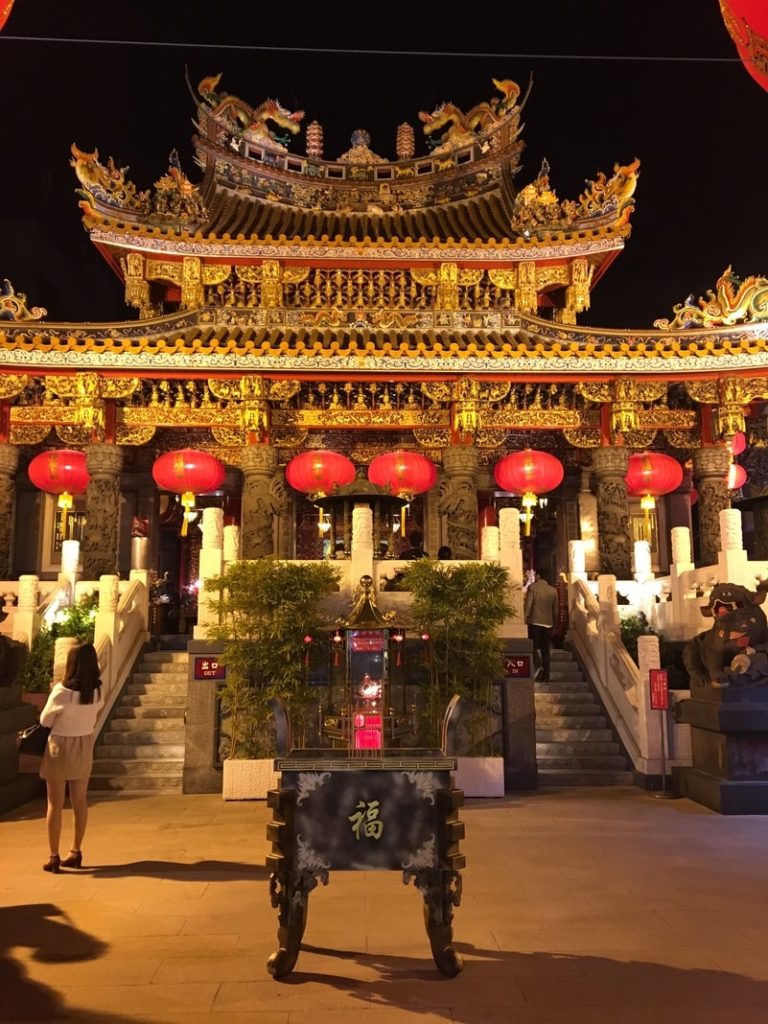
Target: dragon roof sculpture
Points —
{"points": [[734, 301]]}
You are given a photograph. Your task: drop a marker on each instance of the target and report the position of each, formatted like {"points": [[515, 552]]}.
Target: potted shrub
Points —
{"points": [[460, 608], [269, 624], [75, 621]]}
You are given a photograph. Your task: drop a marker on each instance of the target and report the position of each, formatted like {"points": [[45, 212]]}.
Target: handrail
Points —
{"points": [[119, 640]]}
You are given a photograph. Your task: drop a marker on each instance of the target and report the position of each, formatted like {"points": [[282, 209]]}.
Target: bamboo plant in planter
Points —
{"points": [[459, 608], [269, 624]]}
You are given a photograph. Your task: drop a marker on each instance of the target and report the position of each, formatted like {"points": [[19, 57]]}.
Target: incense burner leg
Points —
{"points": [[289, 893], [441, 891]]}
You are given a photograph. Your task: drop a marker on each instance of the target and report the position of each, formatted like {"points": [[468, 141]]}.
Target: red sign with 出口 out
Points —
{"points": [[209, 668], [659, 685]]}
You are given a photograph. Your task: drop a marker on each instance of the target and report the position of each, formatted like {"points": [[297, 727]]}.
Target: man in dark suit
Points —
{"points": [[541, 610]]}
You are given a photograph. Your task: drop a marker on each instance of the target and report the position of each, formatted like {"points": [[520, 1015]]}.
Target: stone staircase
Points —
{"points": [[574, 744], [143, 746]]}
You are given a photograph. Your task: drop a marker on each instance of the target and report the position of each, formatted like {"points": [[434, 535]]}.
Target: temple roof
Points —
{"points": [[255, 188]]}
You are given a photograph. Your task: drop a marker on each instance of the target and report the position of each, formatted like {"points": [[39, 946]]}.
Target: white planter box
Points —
{"points": [[249, 779], [480, 776]]}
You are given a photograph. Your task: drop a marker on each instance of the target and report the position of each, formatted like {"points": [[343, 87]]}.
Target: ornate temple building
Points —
{"points": [[287, 301]]}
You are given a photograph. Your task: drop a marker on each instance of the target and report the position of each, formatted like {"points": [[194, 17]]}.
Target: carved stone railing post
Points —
{"points": [[99, 548], [259, 466], [614, 541], [710, 472], [9, 460], [458, 499]]}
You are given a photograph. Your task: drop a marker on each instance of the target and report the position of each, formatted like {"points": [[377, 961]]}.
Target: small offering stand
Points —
{"points": [[366, 803]]}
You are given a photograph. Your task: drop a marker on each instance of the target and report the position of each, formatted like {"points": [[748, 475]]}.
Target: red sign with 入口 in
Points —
{"points": [[659, 685], [517, 666]]}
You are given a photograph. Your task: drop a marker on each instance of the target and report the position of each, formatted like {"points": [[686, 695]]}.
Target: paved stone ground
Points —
{"points": [[585, 907]]}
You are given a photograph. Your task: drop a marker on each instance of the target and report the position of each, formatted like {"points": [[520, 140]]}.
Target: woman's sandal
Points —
{"points": [[54, 863], [74, 860]]}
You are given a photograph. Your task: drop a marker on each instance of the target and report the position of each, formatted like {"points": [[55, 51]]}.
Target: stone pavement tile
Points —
{"points": [[151, 1001], [215, 969], [242, 1017], [352, 939], [693, 1014], [175, 945], [471, 991], [108, 928], [298, 992], [586, 939], [198, 907], [210, 924], [377, 1015]]}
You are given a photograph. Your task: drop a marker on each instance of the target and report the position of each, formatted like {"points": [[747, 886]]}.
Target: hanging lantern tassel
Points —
{"points": [[647, 504], [307, 645], [337, 641], [529, 500], [187, 503], [65, 504], [320, 519], [402, 519]]}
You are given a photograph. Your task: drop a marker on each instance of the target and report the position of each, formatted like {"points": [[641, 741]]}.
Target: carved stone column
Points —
{"points": [[613, 538], [262, 498], [99, 548], [458, 499], [710, 473], [9, 460]]}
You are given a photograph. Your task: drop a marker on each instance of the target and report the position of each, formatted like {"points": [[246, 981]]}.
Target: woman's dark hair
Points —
{"points": [[82, 672], [445, 553]]}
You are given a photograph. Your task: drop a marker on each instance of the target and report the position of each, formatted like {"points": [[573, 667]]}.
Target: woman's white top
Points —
{"points": [[66, 716]]}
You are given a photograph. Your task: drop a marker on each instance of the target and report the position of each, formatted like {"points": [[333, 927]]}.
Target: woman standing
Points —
{"points": [[70, 713]]}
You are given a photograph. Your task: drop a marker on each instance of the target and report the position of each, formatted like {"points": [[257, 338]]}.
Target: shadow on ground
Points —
{"points": [[176, 871], [45, 929], [497, 985]]}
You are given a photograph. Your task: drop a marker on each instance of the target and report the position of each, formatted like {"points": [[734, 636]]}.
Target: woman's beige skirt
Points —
{"points": [[67, 757]]}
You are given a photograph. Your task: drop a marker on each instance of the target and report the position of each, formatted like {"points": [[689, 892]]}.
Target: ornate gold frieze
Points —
{"points": [[73, 434], [192, 293], [27, 433], [133, 435], [12, 384], [163, 270], [639, 438], [585, 437], [729, 395], [228, 437], [530, 417], [308, 419], [661, 417], [288, 437], [430, 437], [179, 415], [48, 412], [683, 438]]}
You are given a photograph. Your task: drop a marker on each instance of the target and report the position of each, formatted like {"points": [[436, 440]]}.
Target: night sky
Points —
{"points": [[699, 128]]}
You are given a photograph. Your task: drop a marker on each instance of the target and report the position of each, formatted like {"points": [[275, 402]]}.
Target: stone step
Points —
{"points": [[570, 722], [154, 700], [159, 678], [580, 762], [565, 777], [175, 710], [144, 736], [161, 726], [572, 735], [136, 766], [165, 688], [135, 783], [120, 751], [563, 686], [164, 657], [587, 697], [584, 747], [566, 707], [567, 675], [560, 654]]}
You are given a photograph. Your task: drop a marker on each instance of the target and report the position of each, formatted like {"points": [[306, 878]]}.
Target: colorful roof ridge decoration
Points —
{"points": [[734, 301]]}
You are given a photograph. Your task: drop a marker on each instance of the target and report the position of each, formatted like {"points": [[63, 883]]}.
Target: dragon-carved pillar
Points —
{"points": [[457, 499], [262, 499], [710, 478], [9, 460], [613, 537], [99, 546]]}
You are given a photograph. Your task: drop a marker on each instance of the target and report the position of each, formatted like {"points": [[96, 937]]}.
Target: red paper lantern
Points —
{"points": [[188, 472], [737, 444], [747, 24], [5, 10], [61, 472], [403, 473], [319, 472], [652, 474], [737, 476], [528, 473]]}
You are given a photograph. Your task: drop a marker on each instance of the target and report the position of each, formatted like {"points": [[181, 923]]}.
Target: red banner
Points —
{"points": [[659, 684]]}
